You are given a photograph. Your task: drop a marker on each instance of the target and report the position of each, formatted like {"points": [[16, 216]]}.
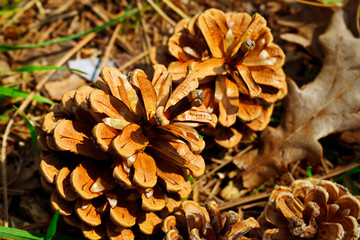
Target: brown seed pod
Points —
{"points": [[195, 222], [234, 54], [120, 154], [310, 209]]}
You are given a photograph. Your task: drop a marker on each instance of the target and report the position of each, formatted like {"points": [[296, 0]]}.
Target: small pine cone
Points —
{"points": [[195, 223], [121, 153], [311, 209], [238, 66]]}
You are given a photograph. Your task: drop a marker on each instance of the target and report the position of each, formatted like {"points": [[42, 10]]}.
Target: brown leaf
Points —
{"points": [[328, 105]]}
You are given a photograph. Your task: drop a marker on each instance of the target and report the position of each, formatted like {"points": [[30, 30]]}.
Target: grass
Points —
{"points": [[15, 93], [31, 129], [4, 48], [18, 234], [40, 68], [309, 172]]}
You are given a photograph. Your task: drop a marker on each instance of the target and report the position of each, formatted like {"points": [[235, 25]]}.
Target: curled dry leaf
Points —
{"points": [[327, 105]]}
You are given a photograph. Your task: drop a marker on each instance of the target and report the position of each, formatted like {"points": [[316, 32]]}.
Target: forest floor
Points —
{"points": [[126, 44]]}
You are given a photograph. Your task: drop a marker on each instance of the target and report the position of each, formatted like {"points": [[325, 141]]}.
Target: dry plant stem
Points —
{"points": [[221, 166], [255, 204], [176, 9], [134, 60], [338, 171], [22, 107], [161, 12], [110, 46], [243, 201], [18, 14], [34, 226], [143, 24], [317, 4]]}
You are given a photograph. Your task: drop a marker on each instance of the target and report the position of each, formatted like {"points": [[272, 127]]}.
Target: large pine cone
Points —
{"points": [[195, 222], [238, 66], [311, 209], [121, 153]]}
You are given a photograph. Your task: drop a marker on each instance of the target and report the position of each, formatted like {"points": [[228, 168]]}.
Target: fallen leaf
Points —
{"points": [[328, 105]]}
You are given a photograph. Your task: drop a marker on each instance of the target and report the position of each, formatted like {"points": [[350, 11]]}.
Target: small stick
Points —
{"points": [[161, 12], [338, 171], [221, 166], [176, 9], [22, 107], [244, 200], [110, 46], [134, 60], [18, 14]]}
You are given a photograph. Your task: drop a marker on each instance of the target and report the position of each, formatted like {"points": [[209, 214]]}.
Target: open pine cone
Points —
{"points": [[311, 209], [121, 153], [238, 66], [195, 223]]}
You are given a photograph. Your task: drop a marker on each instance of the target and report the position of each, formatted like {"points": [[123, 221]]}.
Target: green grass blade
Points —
{"points": [[4, 48], [260, 187], [40, 68], [31, 129], [11, 6], [348, 173], [4, 116], [52, 226], [14, 93], [18, 234], [308, 171], [7, 12]]}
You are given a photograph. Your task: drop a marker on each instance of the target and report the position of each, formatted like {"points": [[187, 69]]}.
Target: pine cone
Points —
{"points": [[122, 152], [238, 66], [311, 209], [195, 222]]}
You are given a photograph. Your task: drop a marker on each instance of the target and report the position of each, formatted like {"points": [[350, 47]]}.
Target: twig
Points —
{"points": [[338, 171], [143, 24], [176, 9], [22, 107], [221, 166], [244, 200], [161, 12], [134, 60], [110, 46], [255, 204], [18, 14]]}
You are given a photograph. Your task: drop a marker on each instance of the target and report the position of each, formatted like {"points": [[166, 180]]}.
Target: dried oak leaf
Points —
{"points": [[329, 104]]}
